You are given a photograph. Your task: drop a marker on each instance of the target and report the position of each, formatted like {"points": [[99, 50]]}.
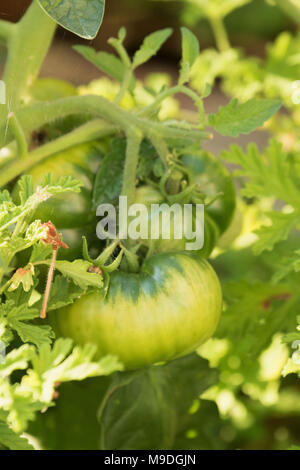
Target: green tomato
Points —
{"points": [[213, 178], [148, 195], [70, 210], [165, 311]]}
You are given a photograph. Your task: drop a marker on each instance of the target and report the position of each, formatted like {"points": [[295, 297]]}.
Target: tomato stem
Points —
{"points": [[29, 41], [49, 282], [18, 132], [220, 33], [134, 138]]}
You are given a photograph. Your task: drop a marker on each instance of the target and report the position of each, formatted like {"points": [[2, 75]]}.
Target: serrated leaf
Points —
{"points": [[78, 271], [11, 440], [22, 277], [62, 364], [190, 52], [5, 197], [281, 225], [233, 120], [150, 46], [17, 359], [63, 292], [287, 266], [25, 187], [18, 317], [268, 173], [61, 185], [40, 252], [82, 17], [108, 63]]}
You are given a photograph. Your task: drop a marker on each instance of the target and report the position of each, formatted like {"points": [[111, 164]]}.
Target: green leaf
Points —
{"points": [[150, 46], [281, 225], [255, 312], [194, 435], [64, 184], [78, 271], [25, 187], [108, 182], [5, 196], [148, 161], [62, 364], [81, 17], [17, 317], [287, 265], [63, 292], [233, 120], [190, 52], [40, 252], [11, 440], [268, 174], [22, 277], [143, 410], [77, 405], [108, 63], [17, 359]]}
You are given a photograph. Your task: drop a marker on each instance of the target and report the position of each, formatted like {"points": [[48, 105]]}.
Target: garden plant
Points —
{"points": [[129, 343]]}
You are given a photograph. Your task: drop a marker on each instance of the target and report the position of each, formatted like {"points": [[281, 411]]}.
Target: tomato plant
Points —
{"points": [[176, 346]]}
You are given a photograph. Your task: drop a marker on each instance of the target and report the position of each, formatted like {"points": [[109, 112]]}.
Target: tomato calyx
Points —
{"points": [[53, 238]]}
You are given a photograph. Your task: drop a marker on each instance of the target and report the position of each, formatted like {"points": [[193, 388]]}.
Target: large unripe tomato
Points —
{"points": [[165, 311], [148, 196], [213, 178]]}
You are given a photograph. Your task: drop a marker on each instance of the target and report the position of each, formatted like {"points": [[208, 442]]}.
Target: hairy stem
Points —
{"points": [[134, 139], [36, 115], [95, 129], [29, 41], [49, 283], [220, 33], [17, 131]]}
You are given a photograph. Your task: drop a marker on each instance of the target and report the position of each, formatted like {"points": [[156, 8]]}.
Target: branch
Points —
{"points": [[36, 115], [96, 129]]}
